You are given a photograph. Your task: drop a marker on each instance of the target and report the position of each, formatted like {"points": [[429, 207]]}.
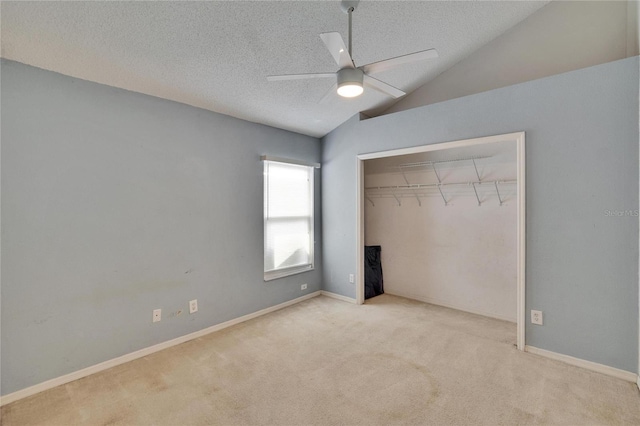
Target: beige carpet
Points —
{"points": [[323, 361]]}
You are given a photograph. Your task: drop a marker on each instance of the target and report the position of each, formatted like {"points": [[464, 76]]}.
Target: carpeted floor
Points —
{"points": [[327, 362]]}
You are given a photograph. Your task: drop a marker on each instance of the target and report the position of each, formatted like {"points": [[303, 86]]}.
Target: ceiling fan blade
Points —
{"points": [[330, 94], [300, 76], [383, 87], [399, 60], [338, 50]]}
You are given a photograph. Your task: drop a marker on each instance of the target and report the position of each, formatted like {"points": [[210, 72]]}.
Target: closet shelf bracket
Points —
{"points": [[498, 192], [397, 199], [439, 184], [477, 174], [476, 191], [442, 195], [408, 184], [370, 200], [436, 172]]}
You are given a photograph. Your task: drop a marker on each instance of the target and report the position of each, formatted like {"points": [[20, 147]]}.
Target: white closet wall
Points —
{"points": [[461, 255]]}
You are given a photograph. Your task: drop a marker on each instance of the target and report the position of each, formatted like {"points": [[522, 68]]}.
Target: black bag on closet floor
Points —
{"points": [[372, 272]]}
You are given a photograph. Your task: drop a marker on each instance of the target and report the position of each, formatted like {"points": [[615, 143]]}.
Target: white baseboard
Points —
{"points": [[49, 384], [337, 296], [589, 365], [446, 304]]}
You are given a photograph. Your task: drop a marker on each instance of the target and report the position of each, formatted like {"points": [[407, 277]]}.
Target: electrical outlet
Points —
{"points": [[157, 315], [303, 287], [352, 278], [193, 306], [536, 317]]}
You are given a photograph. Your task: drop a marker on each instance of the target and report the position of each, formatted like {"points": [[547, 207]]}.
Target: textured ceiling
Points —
{"points": [[216, 55]]}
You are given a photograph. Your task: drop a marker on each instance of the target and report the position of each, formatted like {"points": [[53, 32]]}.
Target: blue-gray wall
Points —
{"points": [[582, 161], [116, 203]]}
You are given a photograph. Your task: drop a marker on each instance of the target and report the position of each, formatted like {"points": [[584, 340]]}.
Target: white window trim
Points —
{"points": [[289, 161], [298, 269], [285, 272]]}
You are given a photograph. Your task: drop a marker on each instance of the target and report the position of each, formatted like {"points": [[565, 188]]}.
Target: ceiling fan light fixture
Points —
{"points": [[350, 82], [350, 90], [351, 79]]}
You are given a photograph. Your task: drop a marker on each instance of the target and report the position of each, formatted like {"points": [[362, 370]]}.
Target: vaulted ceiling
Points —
{"points": [[216, 55]]}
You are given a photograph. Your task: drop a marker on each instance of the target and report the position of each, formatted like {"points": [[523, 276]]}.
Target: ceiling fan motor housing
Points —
{"points": [[350, 77], [345, 5]]}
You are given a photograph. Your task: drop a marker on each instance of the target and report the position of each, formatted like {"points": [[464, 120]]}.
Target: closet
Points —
{"points": [[446, 222]]}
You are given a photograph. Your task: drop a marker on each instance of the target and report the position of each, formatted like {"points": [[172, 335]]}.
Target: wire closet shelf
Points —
{"points": [[417, 190]]}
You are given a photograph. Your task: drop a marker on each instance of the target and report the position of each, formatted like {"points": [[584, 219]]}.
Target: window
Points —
{"points": [[288, 219]]}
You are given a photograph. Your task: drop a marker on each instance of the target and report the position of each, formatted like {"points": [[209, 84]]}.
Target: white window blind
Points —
{"points": [[288, 219]]}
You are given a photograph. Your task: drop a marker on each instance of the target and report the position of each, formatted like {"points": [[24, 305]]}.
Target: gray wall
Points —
{"points": [[116, 203], [582, 160]]}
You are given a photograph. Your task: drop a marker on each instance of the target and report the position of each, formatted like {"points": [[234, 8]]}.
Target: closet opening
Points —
{"points": [[449, 220]]}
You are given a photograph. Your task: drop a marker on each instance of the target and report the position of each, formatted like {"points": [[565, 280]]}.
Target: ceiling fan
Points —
{"points": [[350, 79]]}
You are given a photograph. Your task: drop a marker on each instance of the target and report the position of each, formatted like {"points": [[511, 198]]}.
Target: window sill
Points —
{"points": [[281, 273]]}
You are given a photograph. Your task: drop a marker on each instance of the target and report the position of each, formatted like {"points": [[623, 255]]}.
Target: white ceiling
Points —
{"points": [[216, 55]]}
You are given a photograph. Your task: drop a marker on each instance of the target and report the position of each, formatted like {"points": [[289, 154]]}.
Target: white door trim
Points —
{"points": [[519, 139]]}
